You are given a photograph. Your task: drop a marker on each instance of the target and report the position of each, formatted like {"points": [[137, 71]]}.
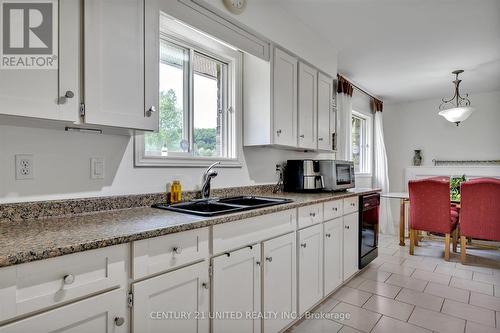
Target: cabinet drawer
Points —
{"points": [[36, 285], [234, 235], [99, 314], [309, 215], [332, 209], [351, 205], [154, 255]]}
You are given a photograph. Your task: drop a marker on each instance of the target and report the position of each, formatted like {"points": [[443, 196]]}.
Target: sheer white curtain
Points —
{"points": [[381, 172], [344, 115]]}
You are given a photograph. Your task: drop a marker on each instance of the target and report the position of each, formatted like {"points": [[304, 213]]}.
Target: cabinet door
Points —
{"points": [[310, 267], [114, 64], [285, 98], [308, 111], [279, 280], [325, 91], [38, 92], [104, 313], [351, 245], [184, 291], [333, 245], [236, 290]]}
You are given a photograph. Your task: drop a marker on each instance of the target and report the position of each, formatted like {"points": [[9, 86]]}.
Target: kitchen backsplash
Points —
{"points": [[44, 209]]}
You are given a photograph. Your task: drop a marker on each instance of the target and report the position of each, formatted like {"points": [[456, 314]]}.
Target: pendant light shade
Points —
{"points": [[457, 115], [457, 108]]}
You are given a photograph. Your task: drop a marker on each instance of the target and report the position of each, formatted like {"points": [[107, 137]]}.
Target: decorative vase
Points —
{"points": [[417, 158]]}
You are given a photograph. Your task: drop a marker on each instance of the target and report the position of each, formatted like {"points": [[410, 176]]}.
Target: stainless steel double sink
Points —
{"points": [[216, 206]]}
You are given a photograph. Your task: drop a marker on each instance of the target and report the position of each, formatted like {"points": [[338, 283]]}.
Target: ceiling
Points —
{"points": [[405, 50]]}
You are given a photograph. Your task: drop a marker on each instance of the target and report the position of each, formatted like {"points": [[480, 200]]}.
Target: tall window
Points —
{"points": [[197, 80], [361, 142]]}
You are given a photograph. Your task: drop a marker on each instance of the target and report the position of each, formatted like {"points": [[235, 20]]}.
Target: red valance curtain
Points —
{"points": [[377, 105], [344, 86]]}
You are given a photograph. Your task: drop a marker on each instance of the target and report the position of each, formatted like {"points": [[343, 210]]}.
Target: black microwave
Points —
{"points": [[337, 175]]}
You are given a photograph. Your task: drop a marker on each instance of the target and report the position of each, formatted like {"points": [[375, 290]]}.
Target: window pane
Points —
{"points": [[356, 142], [173, 129], [208, 99]]}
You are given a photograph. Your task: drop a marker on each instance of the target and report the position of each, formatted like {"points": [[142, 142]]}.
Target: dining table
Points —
{"points": [[404, 198]]}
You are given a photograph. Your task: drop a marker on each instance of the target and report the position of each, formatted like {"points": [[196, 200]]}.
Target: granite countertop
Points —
{"points": [[36, 239]]}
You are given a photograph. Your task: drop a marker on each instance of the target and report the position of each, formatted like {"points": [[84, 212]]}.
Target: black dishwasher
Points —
{"points": [[368, 228]]}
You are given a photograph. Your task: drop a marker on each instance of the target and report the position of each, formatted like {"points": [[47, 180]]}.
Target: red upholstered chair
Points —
{"points": [[430, 210], [480, 211]]}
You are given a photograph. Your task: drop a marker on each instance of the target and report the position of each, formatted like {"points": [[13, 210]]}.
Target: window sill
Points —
{"points": [[187, 162]]}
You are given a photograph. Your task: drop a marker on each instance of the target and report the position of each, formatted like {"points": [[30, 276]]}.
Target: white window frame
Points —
{"points": [[178, 33], [366, 147]]}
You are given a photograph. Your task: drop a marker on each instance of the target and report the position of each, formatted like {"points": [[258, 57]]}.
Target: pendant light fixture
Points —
{"points": [[457, 108]]}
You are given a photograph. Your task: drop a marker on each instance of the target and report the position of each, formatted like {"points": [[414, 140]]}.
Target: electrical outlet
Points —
{"points": [[24, 166], [97, 168]]}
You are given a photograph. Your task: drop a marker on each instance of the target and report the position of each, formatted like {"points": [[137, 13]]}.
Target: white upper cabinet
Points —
{"points": [[114, 65], [285, 98], [286, 103], [325, 112], [40, 91], [308, 90]]}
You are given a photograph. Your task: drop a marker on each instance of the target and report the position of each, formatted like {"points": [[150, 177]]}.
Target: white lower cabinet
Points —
{"points": [[310, 258], [104, 313], [351, 247], [173, 302], [236, 291], [333, 244], [279, 281], [287, 274]]}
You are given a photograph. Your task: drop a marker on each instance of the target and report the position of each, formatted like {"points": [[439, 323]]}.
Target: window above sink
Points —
{"points": [[200, 97]]}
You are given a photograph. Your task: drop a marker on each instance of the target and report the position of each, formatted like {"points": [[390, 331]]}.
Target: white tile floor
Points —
{"points": [[417, 294]]}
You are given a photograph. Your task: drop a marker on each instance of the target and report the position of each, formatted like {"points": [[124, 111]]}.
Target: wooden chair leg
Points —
{"points": [[454, 238], [412, 241], [463, 249], [447, 247], [417, 234]]}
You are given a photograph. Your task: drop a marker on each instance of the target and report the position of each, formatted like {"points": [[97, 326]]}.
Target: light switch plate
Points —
{"points": [[24, 166], [97, 168]]}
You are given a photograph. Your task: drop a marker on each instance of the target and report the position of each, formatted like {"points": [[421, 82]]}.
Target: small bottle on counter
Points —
{"points": [[175, 192]]}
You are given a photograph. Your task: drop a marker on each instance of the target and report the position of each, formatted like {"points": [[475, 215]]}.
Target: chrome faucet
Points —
{"points": [[207, 177]]}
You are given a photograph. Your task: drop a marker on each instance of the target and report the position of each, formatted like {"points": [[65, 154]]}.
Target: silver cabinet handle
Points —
{"points": [[270, 259], [304, 245], [204, 285], [278, 132], [68, 94], [151, 110], [177, 249], [328, 235], [334, 209], [302, 135], [347, 227], [312, 214], [69, 279], [257, 262], [119, 321], [320, 139]]}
